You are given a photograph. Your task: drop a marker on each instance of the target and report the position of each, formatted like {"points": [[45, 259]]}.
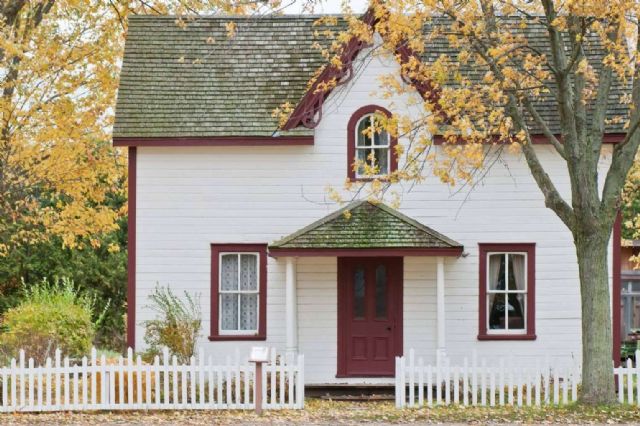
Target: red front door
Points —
{"points": [[369, 316]]}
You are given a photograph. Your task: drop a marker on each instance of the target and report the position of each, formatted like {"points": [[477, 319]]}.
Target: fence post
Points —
{"points": [[300, 385]]}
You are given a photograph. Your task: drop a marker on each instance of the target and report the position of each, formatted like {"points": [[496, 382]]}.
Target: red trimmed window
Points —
{"points": [[238, 292], [507, 291], [369, 143]]}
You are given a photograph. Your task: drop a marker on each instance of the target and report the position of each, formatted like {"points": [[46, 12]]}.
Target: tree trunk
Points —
{"points": [[597, 371]]}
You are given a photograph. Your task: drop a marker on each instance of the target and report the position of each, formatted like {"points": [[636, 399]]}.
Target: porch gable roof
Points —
{"points": [[365, 228]]}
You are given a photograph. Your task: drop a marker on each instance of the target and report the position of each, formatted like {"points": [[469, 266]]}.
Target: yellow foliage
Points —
{"points": [[60, 65]]}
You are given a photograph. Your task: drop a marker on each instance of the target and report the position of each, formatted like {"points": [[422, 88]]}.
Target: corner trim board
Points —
{"points": [[131, 247]]}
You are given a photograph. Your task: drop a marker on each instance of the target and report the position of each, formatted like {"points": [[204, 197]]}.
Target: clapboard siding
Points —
{"points": [[191, 197]]}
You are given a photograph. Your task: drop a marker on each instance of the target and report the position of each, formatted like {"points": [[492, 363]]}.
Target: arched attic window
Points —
{"points": [[369, 144]]}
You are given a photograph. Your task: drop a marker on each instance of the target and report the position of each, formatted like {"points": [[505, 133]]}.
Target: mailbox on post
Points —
{"points": [[259, 355]]}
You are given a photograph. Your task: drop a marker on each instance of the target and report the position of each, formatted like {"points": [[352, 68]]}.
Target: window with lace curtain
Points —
{"points": [[507, 297], [238, 286]]}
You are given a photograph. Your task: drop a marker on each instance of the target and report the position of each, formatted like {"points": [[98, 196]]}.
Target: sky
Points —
{"points": [[326, 6]]}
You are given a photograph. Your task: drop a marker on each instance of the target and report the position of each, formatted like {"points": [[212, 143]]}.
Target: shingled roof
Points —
{"points": [[176, 83], [366, 226]]}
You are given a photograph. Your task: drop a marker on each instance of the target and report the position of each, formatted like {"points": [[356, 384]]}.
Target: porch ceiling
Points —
{"points": [[363, 228]]}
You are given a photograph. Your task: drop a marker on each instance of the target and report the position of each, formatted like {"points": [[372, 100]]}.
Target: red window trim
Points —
{"points": [[216, 249], [351, 141], [530, 249]]}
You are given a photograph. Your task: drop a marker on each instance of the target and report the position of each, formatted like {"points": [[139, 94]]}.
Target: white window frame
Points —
{"points": [[371, 117], [238, 332], [506, 292]]}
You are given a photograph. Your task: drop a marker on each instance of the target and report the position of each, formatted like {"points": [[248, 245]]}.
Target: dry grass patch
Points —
{"points": [[333, 412]]}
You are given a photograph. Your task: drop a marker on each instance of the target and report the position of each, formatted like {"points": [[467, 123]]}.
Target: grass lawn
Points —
{"points": [[327, 412]]}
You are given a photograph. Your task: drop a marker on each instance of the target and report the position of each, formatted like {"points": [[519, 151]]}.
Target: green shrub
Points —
{"points": [[177, 326], [50, 316]]}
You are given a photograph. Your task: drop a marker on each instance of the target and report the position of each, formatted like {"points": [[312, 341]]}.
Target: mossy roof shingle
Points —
{"points": [[176, 84], [366, 225]]}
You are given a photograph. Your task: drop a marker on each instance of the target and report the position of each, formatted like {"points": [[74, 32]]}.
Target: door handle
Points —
{"points": [[389, 328]]}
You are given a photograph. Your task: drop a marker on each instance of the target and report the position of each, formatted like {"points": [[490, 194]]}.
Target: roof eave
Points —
{"points": [[365, 252]]}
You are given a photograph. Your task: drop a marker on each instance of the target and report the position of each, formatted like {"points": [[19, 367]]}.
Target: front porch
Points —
{"points": [[369, 277]]}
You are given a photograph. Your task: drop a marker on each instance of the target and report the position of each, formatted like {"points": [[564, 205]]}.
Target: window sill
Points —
{"points": [[236, 337], [507, 337], [382, 178]]}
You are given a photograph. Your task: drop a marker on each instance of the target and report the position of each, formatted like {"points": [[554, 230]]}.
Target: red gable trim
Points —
{"points": [[215, 141], [310, 106]]}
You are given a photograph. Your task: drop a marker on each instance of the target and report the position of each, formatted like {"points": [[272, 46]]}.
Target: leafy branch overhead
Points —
{"points": [[490, 75]]}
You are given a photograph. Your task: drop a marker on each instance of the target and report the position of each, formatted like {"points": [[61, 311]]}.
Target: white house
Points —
{"points": [[224, 204]]}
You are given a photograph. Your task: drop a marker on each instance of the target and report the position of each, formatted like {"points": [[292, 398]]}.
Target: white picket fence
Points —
{"points": [[128, 384], [628, 379], [479, 382]]}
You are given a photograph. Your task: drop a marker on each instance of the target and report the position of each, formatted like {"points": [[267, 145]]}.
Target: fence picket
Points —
{"points": [[518, 379], [429, 386], [31, 383], [201, 384], [556, 387], [174, 381], [547, 383], [565, 388], [94, 375], [483, 383], [85, 383], [529, 386], [273, 378], [211, 402], [108, 386], [510, 386], [22, 369], [492, 386], [447, 382], [501, 384], [438, 379], [456, 385], [629, 381], [57, 379], [637, 371], [5, 391], [575, 375], [76, 386], [192, 379], [48, 384], [40, 387], [411, 371], [465, 382], [474, 375], [300, 371], [420, 382], [538, 378], [66, 390]]}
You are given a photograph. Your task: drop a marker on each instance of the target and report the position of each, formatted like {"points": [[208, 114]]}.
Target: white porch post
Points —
{"points": [[440, 304], [291, 305]]}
